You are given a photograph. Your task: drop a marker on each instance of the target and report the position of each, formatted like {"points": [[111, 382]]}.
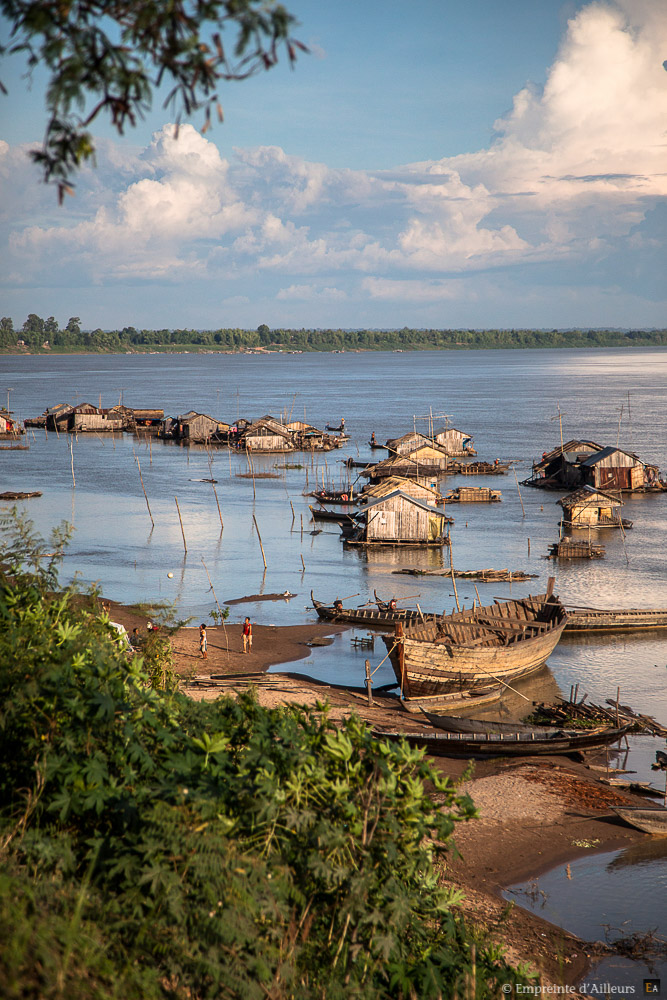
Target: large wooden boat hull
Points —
{"points": [[649, 820], [467, 649], [503, 745], [621, 620]]}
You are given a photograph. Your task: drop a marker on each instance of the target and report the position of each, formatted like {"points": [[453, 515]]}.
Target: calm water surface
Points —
{"points": [[508, 400]]}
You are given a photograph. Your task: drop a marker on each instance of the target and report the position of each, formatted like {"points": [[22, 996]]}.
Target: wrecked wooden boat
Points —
{"points": [[373, 617], [467, 648], [649, 820], [614, 619], [505, 744]]}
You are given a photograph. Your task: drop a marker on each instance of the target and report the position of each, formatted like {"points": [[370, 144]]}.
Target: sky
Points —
{"points": [[438, 163]]}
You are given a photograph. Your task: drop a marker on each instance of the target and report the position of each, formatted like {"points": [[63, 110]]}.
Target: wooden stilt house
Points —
{"points": [[399, 519], [267, 435], [591, 508]]}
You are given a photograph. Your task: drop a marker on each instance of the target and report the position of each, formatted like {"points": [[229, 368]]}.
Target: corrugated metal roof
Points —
{"points": [[406, 496]]}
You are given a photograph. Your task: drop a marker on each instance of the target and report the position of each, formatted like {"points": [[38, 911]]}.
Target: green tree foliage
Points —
{"points": [[155, 847], [108, 56], [73, 338]]}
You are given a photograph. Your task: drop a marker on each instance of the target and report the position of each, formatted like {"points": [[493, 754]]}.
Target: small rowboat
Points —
{"points": [[505, 744], [649, 820], [455, 701], [340, 428]]}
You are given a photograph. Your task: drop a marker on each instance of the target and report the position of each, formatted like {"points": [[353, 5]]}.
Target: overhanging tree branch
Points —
{"points": [[113, 54]]}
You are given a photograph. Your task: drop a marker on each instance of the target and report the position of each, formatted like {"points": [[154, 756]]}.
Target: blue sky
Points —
{"points": [[429, 164]]}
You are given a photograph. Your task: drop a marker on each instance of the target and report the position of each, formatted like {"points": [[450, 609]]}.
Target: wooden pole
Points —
{"points": [[260, 541], [369, 682], [222, 617], [185, 544], [303, 563], [252, 470], [144, 489], [71, 454], [519, 491], [451, 566], [293, 515], [215, 494]]}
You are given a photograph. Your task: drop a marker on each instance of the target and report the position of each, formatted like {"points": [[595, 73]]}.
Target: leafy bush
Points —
{"points": [[158, 847]]}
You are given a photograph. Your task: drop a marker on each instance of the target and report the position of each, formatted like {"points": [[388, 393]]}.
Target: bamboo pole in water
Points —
{"points": [[215, 494], [71, 454], [185, 544], [141, 478], [260, 541], [519, 491], [451, 566]]}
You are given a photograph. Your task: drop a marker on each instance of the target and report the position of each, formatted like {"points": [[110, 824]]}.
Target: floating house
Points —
{"points": [[266, 435], [398, 519], [86, 418], [591, 508], [429, 494], [585, 463], [429, 454], [406, 443], [8, 426], [560, 467], [408, 468], [615, 469], [195, 428], [455, 443]]}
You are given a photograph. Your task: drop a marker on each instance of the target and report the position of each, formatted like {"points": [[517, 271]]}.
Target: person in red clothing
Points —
{"points": [[247, 636]]}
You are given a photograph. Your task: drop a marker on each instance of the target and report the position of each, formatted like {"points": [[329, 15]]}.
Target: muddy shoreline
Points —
{"points": [[531, 810]]}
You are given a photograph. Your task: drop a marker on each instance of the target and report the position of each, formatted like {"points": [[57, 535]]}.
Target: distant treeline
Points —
{"points": [[39, 334]]}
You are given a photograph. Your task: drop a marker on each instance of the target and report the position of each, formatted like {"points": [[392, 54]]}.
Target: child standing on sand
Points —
{"points": [[202, 641], [247, 636]]}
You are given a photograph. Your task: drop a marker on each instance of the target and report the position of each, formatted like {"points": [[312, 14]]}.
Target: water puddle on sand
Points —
{"points": [[618, 896]]}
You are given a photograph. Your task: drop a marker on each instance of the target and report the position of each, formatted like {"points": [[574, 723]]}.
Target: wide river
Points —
{"points": [[509, 401]]}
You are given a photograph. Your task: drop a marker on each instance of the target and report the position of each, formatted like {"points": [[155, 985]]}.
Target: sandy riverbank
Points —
{"points": [[531, 810]]}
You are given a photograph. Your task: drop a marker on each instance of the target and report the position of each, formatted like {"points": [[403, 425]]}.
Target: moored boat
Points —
{"points": [[455, 724], [322, 514], [372, 617], [468, 648], [649, 820], [335, 496], [505, 744], [614, 619]]}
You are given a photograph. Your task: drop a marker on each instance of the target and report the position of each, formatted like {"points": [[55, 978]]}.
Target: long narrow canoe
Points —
{"points": [[455, 701], [373, 617], [504, 745], [455, 724], [468, 648], [614, 619], [649, 820], [322, 514]]}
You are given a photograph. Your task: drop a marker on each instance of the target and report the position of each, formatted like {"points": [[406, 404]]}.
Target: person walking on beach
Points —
{"points": [[202, 641], [247, 636]]}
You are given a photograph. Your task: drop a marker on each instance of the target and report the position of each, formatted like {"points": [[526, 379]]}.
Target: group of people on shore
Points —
{"points": [[246, 633]]}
